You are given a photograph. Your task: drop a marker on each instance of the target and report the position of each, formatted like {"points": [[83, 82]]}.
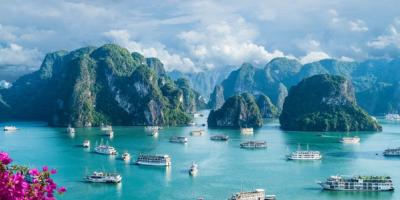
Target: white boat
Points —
{"points": [[153, 133], [254, 145], [178, 139], [126, 156], [151, 128], [86, 144], [392, 117], [258, 194], [246, 131], [304, 155], [105, 149], [219, 137], [70, 130], [10, 128], [392, 152], [192, 124], [197, 133], [358, 183], [193, 169], [101, 177], [106, 128], [109, 133], [350, 140], [154, 160]]}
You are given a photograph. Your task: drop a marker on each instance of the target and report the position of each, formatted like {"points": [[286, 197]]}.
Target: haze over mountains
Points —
{"points": [[375, 81]]}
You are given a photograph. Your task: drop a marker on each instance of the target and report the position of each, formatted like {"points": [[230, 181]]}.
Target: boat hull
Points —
{"points": [[356, 189], [153, 164]]}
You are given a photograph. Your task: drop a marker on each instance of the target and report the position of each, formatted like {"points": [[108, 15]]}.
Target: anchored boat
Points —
{"points": [[178, 139], [258, 194], [304, 155], [193, 169], [101, 177], [392, 152], [126, 156], [350, 140], [86, 144], [254, 145], [246, 131], [358, 183], [105, 127], [10, 128], [198, 133], [219, 137], [105, 149], [154, 160]]}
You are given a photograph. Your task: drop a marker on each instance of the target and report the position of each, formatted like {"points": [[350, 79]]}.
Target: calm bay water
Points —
{"points": [[224, 168]]}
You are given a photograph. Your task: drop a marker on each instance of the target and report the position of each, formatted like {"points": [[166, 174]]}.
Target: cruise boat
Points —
{"points": [[153, 133], [110, 133], [105, 149], [154, 160], [192, 124], [126, 156], [358, 183], [10, 128], [86, 144], [101, 177], [392, 117], [304, 155], [178, 139], [258, 194], [254, 145], [151, 128], [350, 140], [392, 152], [219, 137], [193, 169], [246, 131], [70, 130], [105, 127], [198, 133]]}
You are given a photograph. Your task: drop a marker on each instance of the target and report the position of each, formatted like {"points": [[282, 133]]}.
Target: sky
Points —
{"points": [[199, 35]]}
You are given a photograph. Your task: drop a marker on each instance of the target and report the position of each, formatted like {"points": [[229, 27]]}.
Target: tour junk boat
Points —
{"points": [[358, 183], [154, 160], [219, 137], [258, 194], [304, 155], [392, 152], [254, 145], [101, 177], [178, 139]]}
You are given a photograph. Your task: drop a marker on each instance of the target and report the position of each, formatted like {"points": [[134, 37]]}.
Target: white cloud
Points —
{"points": [[15, 55], [313, 57], [170, 60], [392, 38], [346, 59], [226, 43], [358, 26]]}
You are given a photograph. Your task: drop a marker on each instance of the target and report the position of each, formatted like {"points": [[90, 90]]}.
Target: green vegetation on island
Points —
{"points": [[324, 103], [90, 86]]}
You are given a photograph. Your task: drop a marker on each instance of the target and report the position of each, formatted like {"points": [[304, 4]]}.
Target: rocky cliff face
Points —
{"points": [[237, 111], [267, 109], [216, 98], [91, 86], [324, 103]]}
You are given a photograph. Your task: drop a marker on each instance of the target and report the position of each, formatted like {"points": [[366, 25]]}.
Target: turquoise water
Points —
{"points": [[224, 168]]}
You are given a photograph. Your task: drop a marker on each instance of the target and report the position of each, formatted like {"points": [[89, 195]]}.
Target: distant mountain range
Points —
{"points": [[90, 86], [376, 82]]}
